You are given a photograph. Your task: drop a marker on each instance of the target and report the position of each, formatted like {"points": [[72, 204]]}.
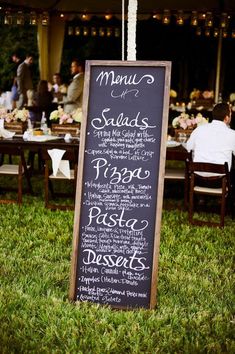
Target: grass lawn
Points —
{"points": [[195, 306]]}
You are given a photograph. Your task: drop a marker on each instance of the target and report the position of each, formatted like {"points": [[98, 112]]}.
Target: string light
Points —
{"points": [[45, 18], [85, 31], [203, 22], [180, 18], [157, 16], [77, 31], [101, 32], [33, 18], [85, 17], [93, 31], [198, 31], [207, 32], [108, 17], [194, 19], [224, 20], [216, 32], [8, 18], [209, 19], [166, 17], [70, 30], [117, 32], [109, 32], [225, 34], [20, 18]]}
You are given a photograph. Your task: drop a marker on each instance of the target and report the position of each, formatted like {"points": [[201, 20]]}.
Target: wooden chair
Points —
{"points": [[209, 179], [50, 180], [18, 170], [178, 173]]}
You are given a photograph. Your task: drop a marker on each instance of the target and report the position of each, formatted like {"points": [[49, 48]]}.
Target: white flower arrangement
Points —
{"points": [[184, 121], [64, 118], [17, 115], [173, 93], [232, 97], [195, 94]]}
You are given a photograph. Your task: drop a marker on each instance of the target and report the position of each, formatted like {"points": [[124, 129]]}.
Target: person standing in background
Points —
{"points": [[58, 89], [43, 101], [14, 89], [24, 81], [16, 58], [73, 100]]}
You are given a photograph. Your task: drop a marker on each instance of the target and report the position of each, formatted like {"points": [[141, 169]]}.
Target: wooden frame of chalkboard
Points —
{"points": [[119, 196]]}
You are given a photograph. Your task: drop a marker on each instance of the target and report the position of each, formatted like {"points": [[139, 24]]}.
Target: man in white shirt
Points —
{"points": [[73, 100], [214, 142]]}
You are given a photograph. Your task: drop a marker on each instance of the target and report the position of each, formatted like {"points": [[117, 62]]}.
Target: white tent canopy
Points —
{"points": [[50, 38]]}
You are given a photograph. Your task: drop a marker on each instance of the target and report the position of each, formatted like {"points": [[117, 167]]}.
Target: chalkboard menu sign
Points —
{"points": [[120, 183]]}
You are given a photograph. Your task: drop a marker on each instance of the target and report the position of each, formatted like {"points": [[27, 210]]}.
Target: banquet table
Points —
{"points": [[178, 153], [58, 142], [37, 145], [172, 153]]}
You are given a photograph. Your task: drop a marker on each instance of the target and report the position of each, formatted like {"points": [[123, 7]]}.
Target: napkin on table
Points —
{"points": [[59, 164], [6, 133]]}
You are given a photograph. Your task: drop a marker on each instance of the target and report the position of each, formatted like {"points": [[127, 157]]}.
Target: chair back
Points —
{"points": [[18, 169], [208, 179], [70, 154]]}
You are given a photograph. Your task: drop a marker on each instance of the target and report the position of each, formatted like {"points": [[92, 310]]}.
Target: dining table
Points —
{"points": [[177, 152], [38, 143], [173, 152]]}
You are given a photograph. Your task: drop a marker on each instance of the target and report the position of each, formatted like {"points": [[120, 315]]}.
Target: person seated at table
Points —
{"points": [[57, 88], [214, 142], [73, 99]]}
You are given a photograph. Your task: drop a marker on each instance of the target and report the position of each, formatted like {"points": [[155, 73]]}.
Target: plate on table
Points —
{"points": [[172, 143]]}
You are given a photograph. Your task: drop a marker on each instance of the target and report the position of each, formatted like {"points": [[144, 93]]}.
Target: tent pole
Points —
{"points": [[218, 67], [131, 35], [123, 30]]}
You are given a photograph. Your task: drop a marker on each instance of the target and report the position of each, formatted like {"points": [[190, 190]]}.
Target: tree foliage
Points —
{"points": [[24, 40]]}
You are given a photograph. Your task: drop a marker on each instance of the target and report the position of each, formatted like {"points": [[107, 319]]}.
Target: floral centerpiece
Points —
{"points": [[17, 115], [66, 122], [16, 120], [202, 99], [185, 123], [60, 116]]}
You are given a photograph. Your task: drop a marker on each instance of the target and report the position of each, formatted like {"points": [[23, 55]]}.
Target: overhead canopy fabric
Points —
{"points": [[115, 6], [51, 39]]}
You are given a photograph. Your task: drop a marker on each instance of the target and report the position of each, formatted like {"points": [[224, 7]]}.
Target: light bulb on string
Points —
{"points": [[166, 18], [8, 18], [194, 19], [33, 18], [180, 18], [20, 18]]}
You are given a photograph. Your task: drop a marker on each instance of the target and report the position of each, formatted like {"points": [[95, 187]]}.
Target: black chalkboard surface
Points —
{"points": [[120, 183]]}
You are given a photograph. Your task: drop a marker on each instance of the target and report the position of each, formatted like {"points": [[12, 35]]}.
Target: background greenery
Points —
{"points": [[195, 306], [22, 39]]}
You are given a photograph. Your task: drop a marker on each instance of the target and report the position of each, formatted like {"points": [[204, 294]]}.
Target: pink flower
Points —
{"points": [[188, 122], [183, 124], [8, 119]]}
